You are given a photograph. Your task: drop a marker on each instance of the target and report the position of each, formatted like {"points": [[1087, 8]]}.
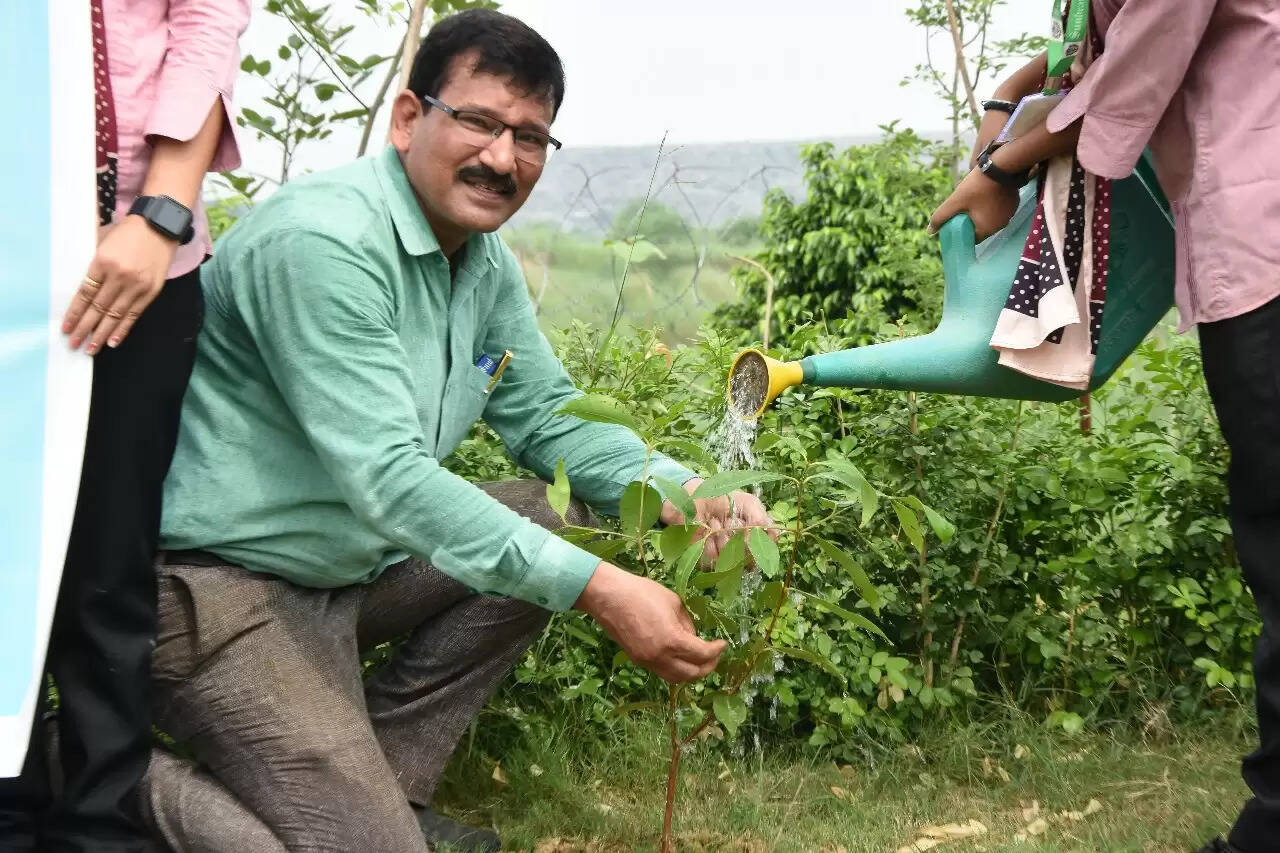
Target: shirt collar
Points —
{"points": [[411, 225]]}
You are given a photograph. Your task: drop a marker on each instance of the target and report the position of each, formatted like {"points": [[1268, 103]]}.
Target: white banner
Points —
{"points": [[48, 223]]}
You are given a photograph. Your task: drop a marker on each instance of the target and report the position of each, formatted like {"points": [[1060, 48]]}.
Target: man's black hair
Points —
{"points": [[504, 46]]}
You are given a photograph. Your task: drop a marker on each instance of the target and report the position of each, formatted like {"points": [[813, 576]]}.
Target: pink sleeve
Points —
{"points": [[200, 64], [1124, 94]]}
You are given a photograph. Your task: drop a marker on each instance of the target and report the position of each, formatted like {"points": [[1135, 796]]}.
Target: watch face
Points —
{"points": [[169, 216]]}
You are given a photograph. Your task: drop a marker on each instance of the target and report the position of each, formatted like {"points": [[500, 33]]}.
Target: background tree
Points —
{"points": [[963, 70], [855, 247]]}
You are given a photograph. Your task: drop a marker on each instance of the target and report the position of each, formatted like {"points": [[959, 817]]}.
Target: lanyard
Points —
{"points": [[1066, 40]]}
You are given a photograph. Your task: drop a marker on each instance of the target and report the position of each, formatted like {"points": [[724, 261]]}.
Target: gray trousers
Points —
{"points": [[262, 679]]}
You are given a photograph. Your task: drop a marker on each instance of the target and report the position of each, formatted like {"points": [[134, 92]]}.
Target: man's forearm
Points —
{"points": [[177, 169]]}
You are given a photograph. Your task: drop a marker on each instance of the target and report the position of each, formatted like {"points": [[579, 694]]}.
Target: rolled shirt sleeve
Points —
{"points": [[332, 350], [1126, 91], [201, 61]]}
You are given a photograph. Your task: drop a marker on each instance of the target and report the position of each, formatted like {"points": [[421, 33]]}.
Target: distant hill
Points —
{"points": [[583, 189]]}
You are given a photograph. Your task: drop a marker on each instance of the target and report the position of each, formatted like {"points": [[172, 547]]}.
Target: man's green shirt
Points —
{"points": [[336, 368]]}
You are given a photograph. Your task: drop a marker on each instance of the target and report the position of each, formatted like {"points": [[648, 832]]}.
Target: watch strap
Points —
{"points": [[999, 105], [1004, 177]]}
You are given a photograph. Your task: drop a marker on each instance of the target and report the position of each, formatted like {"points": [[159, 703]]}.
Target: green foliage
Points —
{"points": [[1105, 584], [661, 225], [854, 250], [983, 59], [741, 232]]}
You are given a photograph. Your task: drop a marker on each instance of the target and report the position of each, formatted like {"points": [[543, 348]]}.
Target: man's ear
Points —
{"points": [[406, 109]]}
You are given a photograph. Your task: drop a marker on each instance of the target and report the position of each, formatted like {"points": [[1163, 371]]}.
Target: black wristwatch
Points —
{"points": [[1004, 177], [168, 217], [999, 105]]}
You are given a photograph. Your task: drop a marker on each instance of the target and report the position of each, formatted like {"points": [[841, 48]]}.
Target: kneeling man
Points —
{"points": [[351, 325]]}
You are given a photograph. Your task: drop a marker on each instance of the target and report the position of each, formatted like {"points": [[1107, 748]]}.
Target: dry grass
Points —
{"points": [[1026, 788]]}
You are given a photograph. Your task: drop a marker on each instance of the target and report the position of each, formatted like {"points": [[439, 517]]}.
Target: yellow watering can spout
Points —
{"points": [[755, 380]]}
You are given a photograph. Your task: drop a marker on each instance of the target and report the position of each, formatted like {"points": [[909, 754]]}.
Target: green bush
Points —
{"points": [[1106, 585], [855, 246]]}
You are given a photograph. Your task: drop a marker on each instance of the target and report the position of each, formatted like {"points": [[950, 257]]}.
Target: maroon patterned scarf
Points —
{"points": [[105, 124], [1052, 322]]}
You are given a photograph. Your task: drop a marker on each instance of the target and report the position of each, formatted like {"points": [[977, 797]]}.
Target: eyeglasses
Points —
{"points": [[531, 146]]}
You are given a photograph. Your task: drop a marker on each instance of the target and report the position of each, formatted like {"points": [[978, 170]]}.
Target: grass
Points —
{"points": [[555, 793]]}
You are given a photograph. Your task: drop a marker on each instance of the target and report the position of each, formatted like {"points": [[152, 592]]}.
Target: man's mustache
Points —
{"points": [[504, 184]]}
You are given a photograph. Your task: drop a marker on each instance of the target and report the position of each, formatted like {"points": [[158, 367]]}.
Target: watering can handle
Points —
{"points": [[959, 248]]}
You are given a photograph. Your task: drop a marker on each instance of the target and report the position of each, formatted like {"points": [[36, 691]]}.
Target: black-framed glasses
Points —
{"points": [[531, 146]]}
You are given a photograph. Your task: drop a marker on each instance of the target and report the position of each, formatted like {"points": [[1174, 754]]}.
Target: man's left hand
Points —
{"points": [[990, 205], [720, 517]]}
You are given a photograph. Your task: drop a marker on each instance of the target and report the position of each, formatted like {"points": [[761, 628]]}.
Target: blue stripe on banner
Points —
{"points": [[25, 174]]}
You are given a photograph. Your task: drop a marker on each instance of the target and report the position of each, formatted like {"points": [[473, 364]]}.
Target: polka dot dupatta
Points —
{"points": [[106, 144], [1052, 321]]}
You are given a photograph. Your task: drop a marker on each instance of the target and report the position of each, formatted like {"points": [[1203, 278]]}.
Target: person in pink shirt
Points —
{"points": [[1198, 82], [163, 76]]}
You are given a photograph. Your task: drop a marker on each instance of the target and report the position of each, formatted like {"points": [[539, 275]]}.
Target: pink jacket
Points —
{"points": [[1198, 81], [168, 61]]}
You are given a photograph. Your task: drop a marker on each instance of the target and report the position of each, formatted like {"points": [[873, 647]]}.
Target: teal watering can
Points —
{"points": [[956, 358]]}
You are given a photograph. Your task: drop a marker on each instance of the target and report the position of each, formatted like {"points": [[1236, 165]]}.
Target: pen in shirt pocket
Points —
{"points": [[493, 367]]}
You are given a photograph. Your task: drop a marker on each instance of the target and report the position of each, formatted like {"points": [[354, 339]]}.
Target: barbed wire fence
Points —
{"points": [[685, 186]]}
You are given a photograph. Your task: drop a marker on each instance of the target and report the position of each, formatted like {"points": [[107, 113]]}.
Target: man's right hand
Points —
{"points": [[650, 623]]}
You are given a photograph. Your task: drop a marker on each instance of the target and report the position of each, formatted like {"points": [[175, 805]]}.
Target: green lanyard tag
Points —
{"points": [[1066, 41]]}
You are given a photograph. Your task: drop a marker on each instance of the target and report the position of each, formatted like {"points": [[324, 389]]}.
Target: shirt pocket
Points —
{"points": [[464, 402]]}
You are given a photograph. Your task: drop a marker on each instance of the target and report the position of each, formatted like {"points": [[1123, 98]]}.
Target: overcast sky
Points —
{"points": [[702, 70]]}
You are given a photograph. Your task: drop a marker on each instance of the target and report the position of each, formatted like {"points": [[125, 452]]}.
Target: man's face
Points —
{"points": [[466, 182]]}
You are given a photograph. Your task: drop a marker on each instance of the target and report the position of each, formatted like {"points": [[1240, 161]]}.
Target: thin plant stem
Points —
{"points": [[626, 268], [673, 769], [320, 54], [986, 544], [767, 321], [376, 106], [962, 65]]}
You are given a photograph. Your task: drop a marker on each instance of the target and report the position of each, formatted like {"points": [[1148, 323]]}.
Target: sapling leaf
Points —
{"points": [[730, 710], [734, 553], [769, 596], [843, 471], [688, 562], [600, 409], [706, 580], [680, 499], [605, 549], [764, 551], [639, 508], [674, 540], [693, 452], [766, 441], [853, 569], [821, 661], [944, 529], [558, 492], [709, 614], [910, 523], [725, 482], [853, 619], [870, 503]]}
